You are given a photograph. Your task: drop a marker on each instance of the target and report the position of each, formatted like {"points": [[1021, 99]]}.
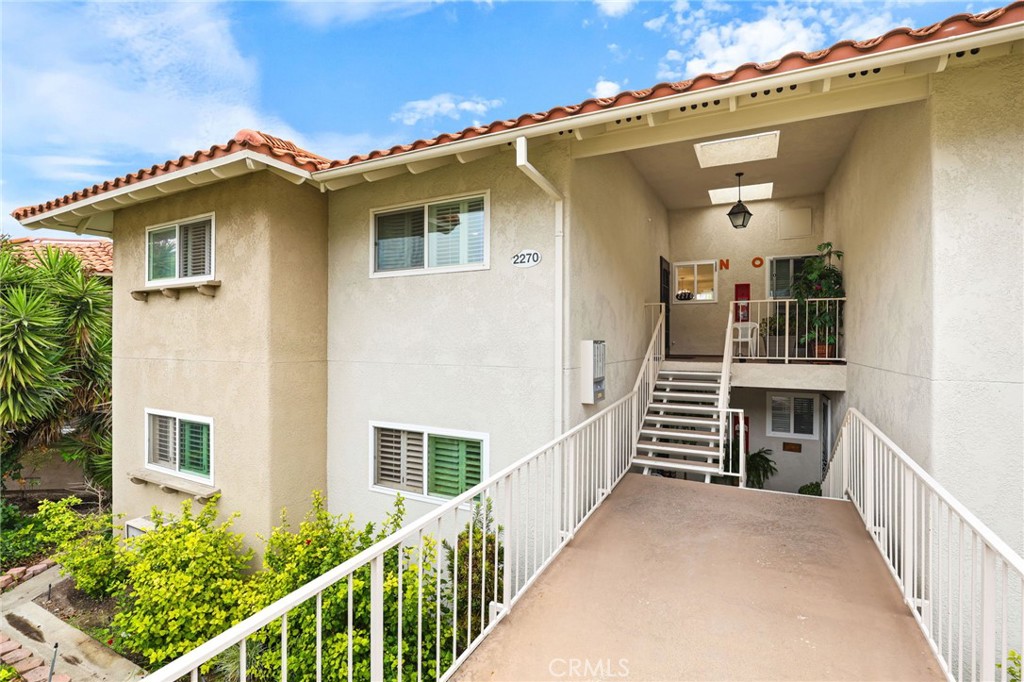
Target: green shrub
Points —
{"points": [[321, 542], [8, 674], [480, 568], [186, 581], [812, 488], [86, 547], [1013, 666], [20, 539]]}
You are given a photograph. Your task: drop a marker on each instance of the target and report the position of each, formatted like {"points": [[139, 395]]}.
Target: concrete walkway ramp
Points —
{"points": [[672, 580]]}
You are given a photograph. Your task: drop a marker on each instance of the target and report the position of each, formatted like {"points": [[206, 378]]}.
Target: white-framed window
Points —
{"points": [[696, 282], [792, 415], [180, 444], [181, 251], [445, 235], [782, 272], [424, 461]]}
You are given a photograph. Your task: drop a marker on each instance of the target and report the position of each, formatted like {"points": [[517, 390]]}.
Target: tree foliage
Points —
{"points": [[55, 350]]}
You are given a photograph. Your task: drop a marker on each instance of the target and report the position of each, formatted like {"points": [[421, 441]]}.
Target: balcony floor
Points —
{"points": [[674, 580]]}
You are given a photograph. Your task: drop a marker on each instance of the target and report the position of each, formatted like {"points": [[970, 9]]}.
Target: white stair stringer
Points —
{"points": [[681, 430]]}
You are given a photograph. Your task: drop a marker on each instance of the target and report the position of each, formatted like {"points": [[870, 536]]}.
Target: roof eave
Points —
{"points": [[93, 215]]}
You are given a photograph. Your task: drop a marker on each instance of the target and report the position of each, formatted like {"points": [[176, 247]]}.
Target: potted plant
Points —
{"points": [[773, 335], [820, 278]]}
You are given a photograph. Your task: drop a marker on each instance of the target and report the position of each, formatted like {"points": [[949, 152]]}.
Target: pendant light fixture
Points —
{"points": [[739, 215]]}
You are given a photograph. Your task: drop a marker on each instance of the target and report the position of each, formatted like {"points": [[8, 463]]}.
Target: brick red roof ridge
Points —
{"points": [[844, 49], [288, 152], [244, 139]]}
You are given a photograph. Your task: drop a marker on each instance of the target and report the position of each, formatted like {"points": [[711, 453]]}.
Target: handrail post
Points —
{"points": [[988, 611], [743, 450], [377, 618], [868, 499], [844, 452], [786, 337]]}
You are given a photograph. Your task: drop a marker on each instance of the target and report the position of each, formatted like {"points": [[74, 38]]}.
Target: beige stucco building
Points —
{"points": [[410, 321]]}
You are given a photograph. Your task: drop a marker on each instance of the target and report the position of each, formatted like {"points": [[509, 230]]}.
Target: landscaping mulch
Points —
{"points": [[77, 608]]}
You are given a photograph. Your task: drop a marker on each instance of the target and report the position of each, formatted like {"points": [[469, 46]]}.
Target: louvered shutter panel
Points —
{"points": [[454, 465], [194, 439], [196, 250], [781, 414], [399, 240], [399, 459], [162, 441], [803, 415]]}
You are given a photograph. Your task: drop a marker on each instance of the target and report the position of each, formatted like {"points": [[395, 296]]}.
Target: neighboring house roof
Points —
{"points": [[288, 152], [97, 255]]}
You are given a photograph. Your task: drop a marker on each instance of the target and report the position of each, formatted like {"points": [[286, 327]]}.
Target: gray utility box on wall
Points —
{"points": [[592, 355]]}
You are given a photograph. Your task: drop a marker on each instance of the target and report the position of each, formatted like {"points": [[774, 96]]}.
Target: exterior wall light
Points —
{"points": [[739, 215]]}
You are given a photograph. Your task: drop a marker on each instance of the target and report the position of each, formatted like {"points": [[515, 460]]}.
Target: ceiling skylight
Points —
{"points": [[730, 195], [738, 149]]}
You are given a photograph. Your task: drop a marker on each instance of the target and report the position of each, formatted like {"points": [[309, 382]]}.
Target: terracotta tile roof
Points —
{"points": [[97, 255], [288, 152]]}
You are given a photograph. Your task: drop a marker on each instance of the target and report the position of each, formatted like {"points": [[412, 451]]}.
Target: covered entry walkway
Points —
{"points": [[674, 580]]}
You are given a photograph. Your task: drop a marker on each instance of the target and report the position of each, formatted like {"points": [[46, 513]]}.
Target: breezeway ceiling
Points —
{"points": [[809, 152]]}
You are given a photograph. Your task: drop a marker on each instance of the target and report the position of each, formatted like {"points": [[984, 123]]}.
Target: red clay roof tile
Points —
{"points": [[97, 255], [288, 152]]}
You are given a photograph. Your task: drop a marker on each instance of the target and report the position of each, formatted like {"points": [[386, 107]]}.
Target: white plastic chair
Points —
{"points": [[745, 333]]}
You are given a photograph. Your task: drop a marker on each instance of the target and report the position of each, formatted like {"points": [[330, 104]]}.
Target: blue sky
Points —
{"points": [[92, 91]]}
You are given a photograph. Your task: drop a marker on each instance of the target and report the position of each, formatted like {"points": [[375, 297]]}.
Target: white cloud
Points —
{"points": [[444, 105], [605, 88], [323, 13], [615, 8], [709, 38]]}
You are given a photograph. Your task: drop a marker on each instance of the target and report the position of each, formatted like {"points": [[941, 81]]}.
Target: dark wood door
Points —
{"points": [[666, 298]]}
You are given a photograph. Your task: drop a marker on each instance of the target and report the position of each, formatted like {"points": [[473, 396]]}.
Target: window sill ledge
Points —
{"points": [[172, 484], [207, 288]]}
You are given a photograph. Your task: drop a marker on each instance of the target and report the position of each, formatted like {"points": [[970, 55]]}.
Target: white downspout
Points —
{"points": [[523, 164]]}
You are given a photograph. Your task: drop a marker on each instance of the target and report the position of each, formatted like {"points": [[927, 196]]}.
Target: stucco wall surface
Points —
{"points": [[928, 205], [978, 211], [698, 328], [252, 358], [878, 211], [619, 231], [468, 351]]}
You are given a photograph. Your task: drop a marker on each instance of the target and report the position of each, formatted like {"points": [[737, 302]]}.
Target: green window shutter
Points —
{"points": [[454, 465], [194, 445]]}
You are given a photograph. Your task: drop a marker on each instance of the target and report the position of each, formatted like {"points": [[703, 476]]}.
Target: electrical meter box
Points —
{"points": [[592, 356]]}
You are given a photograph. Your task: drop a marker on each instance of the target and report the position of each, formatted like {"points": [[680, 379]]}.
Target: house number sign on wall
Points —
{"points": [[526, 258]]}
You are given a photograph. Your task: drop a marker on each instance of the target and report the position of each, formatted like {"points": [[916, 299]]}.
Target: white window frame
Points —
{"points": [[427, 431], [815, 418], [177, 224], [200, 419], [771, 266], [425, 205], [693, 264]]}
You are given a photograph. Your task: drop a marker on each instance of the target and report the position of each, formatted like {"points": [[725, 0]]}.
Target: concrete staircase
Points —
{"points": [[680, 432]]}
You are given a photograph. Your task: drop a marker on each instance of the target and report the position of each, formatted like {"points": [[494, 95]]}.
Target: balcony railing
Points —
{"points": [[962, 583], [416, 604], [788, 330]]}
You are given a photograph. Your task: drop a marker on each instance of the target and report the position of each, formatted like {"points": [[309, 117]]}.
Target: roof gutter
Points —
{"points": [[901, 55], [523, 164]]}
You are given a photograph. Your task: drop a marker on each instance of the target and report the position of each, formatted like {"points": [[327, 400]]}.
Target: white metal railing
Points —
{"points": [[734, 445], [428, 608], [647, 377], [962, 583], [787, 330]]}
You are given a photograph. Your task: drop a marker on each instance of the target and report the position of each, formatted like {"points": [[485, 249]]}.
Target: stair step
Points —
{"points": [[710, 385], [675, 464], [679, 407], [681, 395], [679, 434], [688, 421], [673, 449], [693, 373]]}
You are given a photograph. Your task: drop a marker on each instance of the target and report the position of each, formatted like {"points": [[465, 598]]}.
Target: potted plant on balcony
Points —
{"points": [[773, 334], [821, 278]]}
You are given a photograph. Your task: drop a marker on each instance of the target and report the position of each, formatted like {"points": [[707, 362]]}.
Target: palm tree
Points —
{"points": [[55, 350]]}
